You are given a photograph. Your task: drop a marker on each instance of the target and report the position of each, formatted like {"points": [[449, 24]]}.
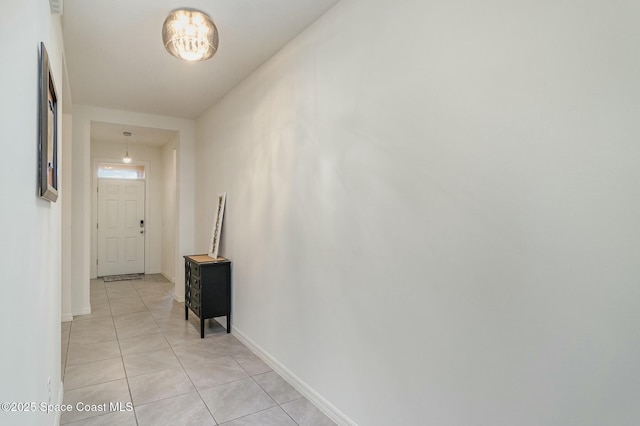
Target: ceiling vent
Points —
{"points": [[56, 6]]}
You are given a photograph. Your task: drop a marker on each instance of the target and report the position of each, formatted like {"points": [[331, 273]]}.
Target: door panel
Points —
{"points": [[112, 214], [120, 236], [131, 249], [112, 250]]}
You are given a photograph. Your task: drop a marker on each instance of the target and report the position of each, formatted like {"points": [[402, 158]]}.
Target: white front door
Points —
{"points": [[121, 227]]}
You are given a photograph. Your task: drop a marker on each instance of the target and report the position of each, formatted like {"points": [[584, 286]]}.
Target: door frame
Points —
{"points": [[94, 211]]}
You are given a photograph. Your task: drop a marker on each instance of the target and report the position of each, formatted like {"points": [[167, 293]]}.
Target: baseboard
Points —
{"points": [[222, 321], [67, 317], [172, 280], [83, 311], [56, 422], [168, 277], [314, 397]]}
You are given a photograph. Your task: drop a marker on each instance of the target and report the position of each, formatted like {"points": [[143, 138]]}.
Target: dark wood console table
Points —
{"points": [[207, 288]]}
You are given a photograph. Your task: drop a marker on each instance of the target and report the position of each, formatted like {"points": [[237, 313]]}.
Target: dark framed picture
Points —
{"points": [[48, 130]]}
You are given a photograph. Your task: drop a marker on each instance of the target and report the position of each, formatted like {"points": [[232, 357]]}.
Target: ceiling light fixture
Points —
{"points": [[190, 34], [126, 159]]}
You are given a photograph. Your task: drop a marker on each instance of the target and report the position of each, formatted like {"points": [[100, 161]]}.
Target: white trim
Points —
{"points": [[222, 321], [83, 311], [56, 422], [94, 210], [179, 299], [314, 397], [168, 277], [67, 318]]}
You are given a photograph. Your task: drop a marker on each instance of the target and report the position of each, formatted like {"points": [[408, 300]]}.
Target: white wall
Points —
{"points": [[432, 211], [67, 220], [30, 226], [151, 158], [168, 266], [82, 195], [80, 212]]}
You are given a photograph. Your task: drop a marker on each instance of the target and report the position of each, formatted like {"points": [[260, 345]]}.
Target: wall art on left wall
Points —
{"points": [[47, 131]]}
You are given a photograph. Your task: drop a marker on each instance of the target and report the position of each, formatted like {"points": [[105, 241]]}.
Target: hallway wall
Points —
{"points": [[432, 211], [30, 253], [169, 190], [67, 220]]}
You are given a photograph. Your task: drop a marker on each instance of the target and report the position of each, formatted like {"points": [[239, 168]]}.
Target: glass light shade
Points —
{"points": [[190, 35], [126, 159]]}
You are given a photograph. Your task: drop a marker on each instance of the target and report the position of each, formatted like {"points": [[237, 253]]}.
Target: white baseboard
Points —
{"points": [[222, 321], [67, 317], [172, 280], [56, 422], [83, 311], [168, 277], [314, 397]]}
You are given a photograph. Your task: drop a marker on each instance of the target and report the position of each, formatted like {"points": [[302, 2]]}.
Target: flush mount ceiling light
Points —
{"points": [[190, 35], [126, 159]]}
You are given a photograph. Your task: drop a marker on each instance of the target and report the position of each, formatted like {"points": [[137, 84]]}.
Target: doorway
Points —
{"points": [[121, 226], [152, 154]]}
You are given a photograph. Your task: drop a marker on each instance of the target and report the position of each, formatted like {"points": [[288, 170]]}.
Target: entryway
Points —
{"points": [[153, 153]]}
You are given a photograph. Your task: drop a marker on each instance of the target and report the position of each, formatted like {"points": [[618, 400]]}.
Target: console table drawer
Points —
{"points": [[195, 269], [195, 283], [195, 298]]}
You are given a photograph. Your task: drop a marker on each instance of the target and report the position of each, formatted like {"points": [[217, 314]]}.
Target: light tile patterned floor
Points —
{"points": [[136, 347]]}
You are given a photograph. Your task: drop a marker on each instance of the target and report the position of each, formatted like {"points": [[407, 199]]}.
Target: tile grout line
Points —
{"points": [[251, 414], [185, 372], [274, 400], [182, 366], [126, 377]]}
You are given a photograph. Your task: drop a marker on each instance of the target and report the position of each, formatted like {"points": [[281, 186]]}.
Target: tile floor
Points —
{"points": [[136, 347]]}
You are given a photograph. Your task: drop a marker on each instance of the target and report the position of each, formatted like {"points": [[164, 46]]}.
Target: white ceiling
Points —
{"points": [[113, 133], [115, 57]]}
